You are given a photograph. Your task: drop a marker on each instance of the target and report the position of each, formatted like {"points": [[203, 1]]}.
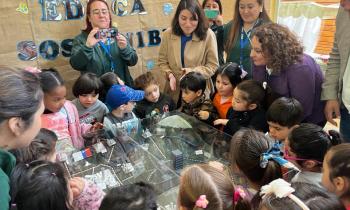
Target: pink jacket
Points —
{"points": [[90, 198], [75, 129]]}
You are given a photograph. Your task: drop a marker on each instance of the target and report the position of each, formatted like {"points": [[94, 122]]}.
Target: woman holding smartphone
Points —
{"points": [[236, 36], [99, 54]]}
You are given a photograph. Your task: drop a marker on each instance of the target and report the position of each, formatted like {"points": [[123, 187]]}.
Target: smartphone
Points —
{"points": [[211, 14], [106, 33]]}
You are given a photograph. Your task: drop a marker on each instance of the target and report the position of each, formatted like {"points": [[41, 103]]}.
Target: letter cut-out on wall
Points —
{"points": [[139, 35], [74, 9], [67, 46], [154, 38], [27, 51], [119, 7], [49, 10], [130, 37], [49, 49], [138, 8]]}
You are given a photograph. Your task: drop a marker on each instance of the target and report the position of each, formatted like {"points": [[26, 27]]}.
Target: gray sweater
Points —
{"points": [[308, 177], [94, 113]]}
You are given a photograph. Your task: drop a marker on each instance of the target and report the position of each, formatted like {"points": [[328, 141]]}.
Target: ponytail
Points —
{"points": [[243, 204], [205, 187], [309, 141], [272, 172], [195, 183], [240, 201]]}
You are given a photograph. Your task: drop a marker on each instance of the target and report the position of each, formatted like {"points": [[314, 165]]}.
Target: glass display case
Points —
{"points": [[152, 150]]}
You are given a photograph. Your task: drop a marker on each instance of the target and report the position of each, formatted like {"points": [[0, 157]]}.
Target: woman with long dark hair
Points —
{"points": [[21, 105], [236, 36], [189, 45]]}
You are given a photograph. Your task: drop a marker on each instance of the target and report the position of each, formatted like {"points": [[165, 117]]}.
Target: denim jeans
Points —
{"points": [[345, 124]]}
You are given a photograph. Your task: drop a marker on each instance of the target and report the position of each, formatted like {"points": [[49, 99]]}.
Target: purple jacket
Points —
{"points": [[301, 81]]}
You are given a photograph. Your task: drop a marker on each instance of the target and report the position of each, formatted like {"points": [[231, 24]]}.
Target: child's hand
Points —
{"points": [[120, 81], [96, 126], [91, 40], [203, 115], [220, 122], [77, 185], [121, 41]]}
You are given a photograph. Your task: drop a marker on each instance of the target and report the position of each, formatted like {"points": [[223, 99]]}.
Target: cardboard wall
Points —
{"points": [[15, 26]]}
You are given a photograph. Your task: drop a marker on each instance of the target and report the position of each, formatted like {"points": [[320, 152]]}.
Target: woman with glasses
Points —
{"points": [[279, 60], [21, 105], [236, 34], [306, 147], [99, 51]]}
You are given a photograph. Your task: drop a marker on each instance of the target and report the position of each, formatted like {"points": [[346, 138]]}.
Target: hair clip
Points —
{"points": [[244, 73], [281, 189], [270, 154], [264, 84], [202, 202], [53, 173], [27, 165], [227, 65], [274, 154], [238, 193]]}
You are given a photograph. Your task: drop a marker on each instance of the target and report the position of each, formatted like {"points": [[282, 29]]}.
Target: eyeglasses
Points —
{"points": [[99, 12], [288, 157]]}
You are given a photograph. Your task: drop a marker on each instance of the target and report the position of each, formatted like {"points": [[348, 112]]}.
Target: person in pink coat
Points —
{"points": [[61, 115]]}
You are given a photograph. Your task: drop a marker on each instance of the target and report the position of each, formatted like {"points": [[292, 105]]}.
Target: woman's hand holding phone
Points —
{"points": [[91, 40], [121, 41]]}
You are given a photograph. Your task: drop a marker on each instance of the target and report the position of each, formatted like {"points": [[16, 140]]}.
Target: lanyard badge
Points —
{"points": [[245, 41], [107, 49]]}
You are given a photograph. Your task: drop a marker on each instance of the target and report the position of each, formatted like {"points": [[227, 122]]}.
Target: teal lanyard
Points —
{"points": [[244, 41], [107, 49]]}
